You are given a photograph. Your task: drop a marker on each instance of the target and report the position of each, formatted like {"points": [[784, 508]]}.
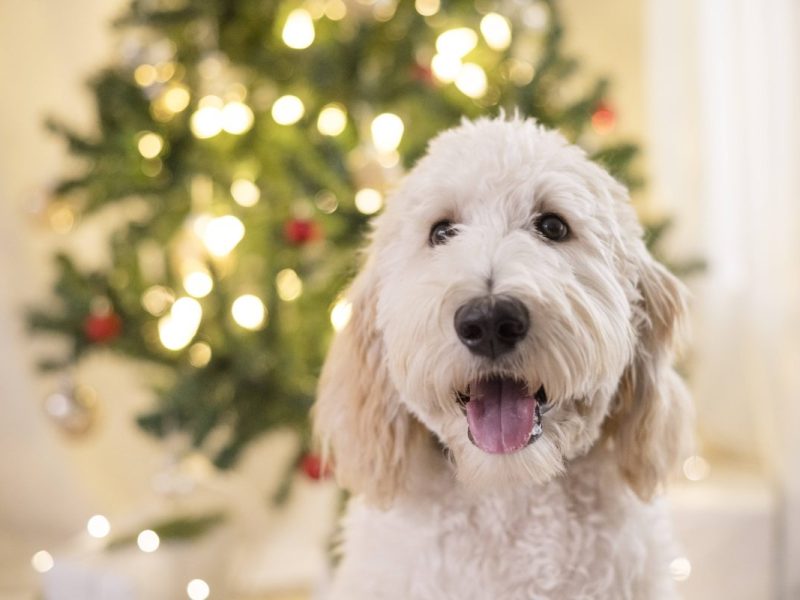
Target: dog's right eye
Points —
{"points": [[441, 232]]}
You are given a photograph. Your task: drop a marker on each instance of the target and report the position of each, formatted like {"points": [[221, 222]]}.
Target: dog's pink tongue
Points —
{"points": [[501, 415]]}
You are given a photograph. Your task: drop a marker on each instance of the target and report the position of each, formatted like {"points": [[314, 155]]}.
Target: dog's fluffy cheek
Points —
{"points": [[421, 346]]}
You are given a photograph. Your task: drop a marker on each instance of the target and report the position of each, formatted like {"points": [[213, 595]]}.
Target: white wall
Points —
{"points": [[724, 84], [46, 49]]}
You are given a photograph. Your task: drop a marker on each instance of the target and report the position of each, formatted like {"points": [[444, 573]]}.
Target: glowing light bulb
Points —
{"points": [[176, 98], [187, 310], [456, 42], [61, 217], [199, 354], [298, 31], [98, 526], [245, 192], [327, 202], [696, 468], [445, 68], [332, 120], [680, 568], [237, 117], [42, 561], [368, 201], [383, 10], [249, 311], [389, 159], [387, 131], [165, 71], [520, 72], [341, 313], [150, 144], [206, 121], [145, 75], [198, 283], [288, 110], [157, 299], [289, 285], [496, 31], [176, 329], [148, 541], [535, 16], [471, 80], [221, 235], [427, 8], [197, 589], [335, 10]]}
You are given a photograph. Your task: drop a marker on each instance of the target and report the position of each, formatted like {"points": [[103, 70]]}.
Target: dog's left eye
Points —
{"points": [[552, 227], [441, 232]]}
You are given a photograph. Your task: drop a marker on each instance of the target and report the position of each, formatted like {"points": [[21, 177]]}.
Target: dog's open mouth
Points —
{"points": [[503, 416]]}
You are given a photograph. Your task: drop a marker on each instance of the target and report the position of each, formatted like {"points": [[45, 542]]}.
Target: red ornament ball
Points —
{"points": [[311, 465], [100, 328], [422, 73], [604, 119], [300, 231]]}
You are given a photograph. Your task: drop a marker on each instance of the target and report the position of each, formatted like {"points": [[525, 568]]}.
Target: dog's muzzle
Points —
{"points": [[491, 325]]}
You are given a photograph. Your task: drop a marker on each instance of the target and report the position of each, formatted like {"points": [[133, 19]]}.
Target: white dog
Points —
{"points": [[502, 401]]}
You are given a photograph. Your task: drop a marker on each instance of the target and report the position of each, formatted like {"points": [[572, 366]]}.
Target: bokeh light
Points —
{"points": [[222, 234], [332, 120], [289, 285], [496, 30], [176, 329], [387, 131], [249, 311], [341, 313], [368, 201], [42, 561], [245, 192], [148, 541], [237, 117], [197, 589], [457, 42], [288, 110], [471, 80], [98, 526], [198, 283], [150, 144], [298, 31]]}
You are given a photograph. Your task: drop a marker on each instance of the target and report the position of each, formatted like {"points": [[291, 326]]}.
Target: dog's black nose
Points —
{"points": [[491, 325]]}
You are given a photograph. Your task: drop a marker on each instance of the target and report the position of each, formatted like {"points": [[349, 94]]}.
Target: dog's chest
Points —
{"points": [[551, 544]]}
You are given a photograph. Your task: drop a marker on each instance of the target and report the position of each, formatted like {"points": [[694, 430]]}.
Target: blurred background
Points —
{"points": [[175, 235]]}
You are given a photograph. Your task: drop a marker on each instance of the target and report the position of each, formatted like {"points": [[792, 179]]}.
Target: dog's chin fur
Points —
{"points": [[604, 318]]}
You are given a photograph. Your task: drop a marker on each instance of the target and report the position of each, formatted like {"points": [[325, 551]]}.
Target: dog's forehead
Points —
{"points": [[469, 167], [498, 146]]}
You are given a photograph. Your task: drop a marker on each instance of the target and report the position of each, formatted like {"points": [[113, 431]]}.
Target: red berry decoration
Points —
{"points": [[100, 328], [311, 465], [300, 231], [603, 118], [423, 74]]}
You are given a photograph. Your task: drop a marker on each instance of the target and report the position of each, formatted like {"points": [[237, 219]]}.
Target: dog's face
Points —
{"points": [[509, 305]]}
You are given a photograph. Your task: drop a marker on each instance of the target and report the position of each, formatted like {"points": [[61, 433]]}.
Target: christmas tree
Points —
{"points": [[244, 145]]}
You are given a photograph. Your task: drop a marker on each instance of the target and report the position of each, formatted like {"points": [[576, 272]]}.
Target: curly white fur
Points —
{"points": [[569, 516]]}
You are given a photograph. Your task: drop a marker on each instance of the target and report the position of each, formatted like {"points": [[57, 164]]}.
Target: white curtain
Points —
{"points": [[724, 83]]}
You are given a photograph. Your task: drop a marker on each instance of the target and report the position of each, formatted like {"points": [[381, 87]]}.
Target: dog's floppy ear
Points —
{"points": [[651, 413], [358, 418]]}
